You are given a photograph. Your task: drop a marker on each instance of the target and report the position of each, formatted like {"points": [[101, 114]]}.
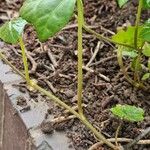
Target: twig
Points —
{"points": [[75, 108], [62, 119], [52, 58], [65, 76], [103, 60], [138, 138], [141, 142], [60, 46], [94, 54], [50, 86], [99, 74], [34, 64]]}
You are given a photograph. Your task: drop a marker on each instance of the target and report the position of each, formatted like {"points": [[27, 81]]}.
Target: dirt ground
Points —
{"points": [[54, 65]]}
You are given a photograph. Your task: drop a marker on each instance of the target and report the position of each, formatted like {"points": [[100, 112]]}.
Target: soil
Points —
{"points": [[60, 76]]}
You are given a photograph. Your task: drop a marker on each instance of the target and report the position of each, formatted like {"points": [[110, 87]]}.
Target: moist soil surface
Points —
{"points": [[54, 65]]}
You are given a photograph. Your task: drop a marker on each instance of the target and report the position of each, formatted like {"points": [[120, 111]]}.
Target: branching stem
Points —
{"points": [[61, 103], [101, 37]]}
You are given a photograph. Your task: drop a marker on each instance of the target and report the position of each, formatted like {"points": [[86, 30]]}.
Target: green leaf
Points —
{"points": [[128, 112], [11, 31], [145, 32], [146, 76], [148, 64], [127, 37], [146, 4], [47, 16], [146, 50], [131, 54], [122, 2]]}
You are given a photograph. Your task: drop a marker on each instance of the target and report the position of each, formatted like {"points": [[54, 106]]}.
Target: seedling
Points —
{"points": [[48, 17], [137, 37], [127, 113]]}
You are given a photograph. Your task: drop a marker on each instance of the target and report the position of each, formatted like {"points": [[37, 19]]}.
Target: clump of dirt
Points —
{"points": [[100, 92]]}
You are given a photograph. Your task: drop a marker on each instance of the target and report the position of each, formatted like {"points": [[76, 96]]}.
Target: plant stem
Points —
{"points": [[80, 117], [138, 16], [80, 53], [24, 58], [101, 37], [120, 62], [12, 66], [61, 103]]}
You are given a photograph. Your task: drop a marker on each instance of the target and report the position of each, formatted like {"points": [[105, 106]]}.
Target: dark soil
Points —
{"points": [[99, 95]]}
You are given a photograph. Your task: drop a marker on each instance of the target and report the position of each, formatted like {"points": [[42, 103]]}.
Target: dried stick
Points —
{"points": [[99, 74], [141, 142], [95, 53], [138, 138], [52, 58]]}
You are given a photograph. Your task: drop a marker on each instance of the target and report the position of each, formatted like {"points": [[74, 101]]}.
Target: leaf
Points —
{"points": [[11, 31], [145, 32], [47, 16], [148, 64], [146, 4], [146, 50], [122, 2], [146, 76], [131, 54], [127, 37], [128, 112]]}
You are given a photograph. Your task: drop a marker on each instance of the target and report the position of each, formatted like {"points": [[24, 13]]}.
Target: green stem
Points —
{"points": [[61, 103], [80, 53], [80, 117], [101, 37], [138, 16], [120, 62], [25, 63], [137, 24], [12, 66]]}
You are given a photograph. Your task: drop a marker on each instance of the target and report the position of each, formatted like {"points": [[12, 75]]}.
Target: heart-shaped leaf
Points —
{"points": [[129, 113], [47, 16], [11, 31], [122, 2], [127, 36]]}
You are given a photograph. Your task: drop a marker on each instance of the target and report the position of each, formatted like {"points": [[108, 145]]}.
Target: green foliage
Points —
{"points": [[129, 113], [145, 32], [127, 37], [146, 76], [47, 16], [130, 53], [11, 31], [146, 49], [146, 4], [122, 2]]}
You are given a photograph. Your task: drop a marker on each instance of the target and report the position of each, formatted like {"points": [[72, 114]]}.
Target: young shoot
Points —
{"points": [[127, 113]]}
